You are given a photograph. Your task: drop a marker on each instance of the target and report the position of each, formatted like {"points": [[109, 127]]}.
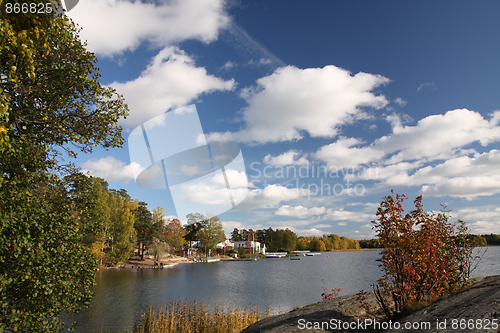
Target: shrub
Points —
{"points": [[424, 255], [326, 295]]}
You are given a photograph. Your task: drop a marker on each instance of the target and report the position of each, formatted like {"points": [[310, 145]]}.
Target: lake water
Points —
{"points": [[121, 295]]}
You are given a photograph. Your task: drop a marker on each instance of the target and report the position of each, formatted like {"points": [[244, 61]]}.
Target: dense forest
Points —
{"points": [[479, 240]]}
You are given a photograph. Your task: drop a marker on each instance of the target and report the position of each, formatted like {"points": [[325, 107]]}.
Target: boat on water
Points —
{"points": [[295, 258]]}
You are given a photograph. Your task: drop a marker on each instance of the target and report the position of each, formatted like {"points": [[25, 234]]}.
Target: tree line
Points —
{"points": [[479, 240], [279, 239]]}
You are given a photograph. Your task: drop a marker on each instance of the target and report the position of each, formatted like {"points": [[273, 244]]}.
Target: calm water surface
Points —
{"points": [[120, 296]]}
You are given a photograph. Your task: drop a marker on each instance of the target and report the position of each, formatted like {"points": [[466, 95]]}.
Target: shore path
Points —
{"points": [[479, 304]]}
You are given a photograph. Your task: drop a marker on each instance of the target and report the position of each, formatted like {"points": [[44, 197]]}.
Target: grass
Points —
{"points": [[193, 317]]}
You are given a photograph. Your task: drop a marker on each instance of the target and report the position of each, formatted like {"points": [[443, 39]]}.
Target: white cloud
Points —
{"points": [[212, 189], [299, 211], [464, 187], [345, 215], [114, 26], [428, 85], [397, 120], [271, 196], [230, 225], [287, 158], [111, 169], [314, 100], [363, 232], [437, 134], [405, 157], [434, 137], [228, 65], [170, 81], [343, 153], [191, 170], [309, 232], [495, 118], [462, 176], [322, 226], [400, 101], [482, 219]]}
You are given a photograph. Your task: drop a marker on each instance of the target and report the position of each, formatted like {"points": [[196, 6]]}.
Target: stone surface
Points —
{"points": [[475, 306], [480, 301]]}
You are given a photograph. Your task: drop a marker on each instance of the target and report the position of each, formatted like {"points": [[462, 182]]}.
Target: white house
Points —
{"points": [[226, 243]]}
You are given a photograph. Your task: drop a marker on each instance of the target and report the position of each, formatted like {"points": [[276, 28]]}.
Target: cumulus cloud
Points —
{"points": [[171, 80], [482, 219], [436, 135], [464, 187], [111, 169], [344, 153], [292, 101], [400, 101], [211, 190], [271, 196], [291, 157], [299, 211], [405, 157], [113, 26], [463, 176]]}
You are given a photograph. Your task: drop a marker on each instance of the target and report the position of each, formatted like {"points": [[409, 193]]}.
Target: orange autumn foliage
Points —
{"points": [[424, 255]]}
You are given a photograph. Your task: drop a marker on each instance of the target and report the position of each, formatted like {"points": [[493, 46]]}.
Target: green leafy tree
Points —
{"points": [[50, 101], [317, 245], [212, 232], [122, 225], [91, 197], [289, 239], [492, 239]]}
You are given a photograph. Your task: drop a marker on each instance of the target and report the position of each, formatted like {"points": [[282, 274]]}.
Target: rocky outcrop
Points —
{"points": [[477, 309], [327, 315]]}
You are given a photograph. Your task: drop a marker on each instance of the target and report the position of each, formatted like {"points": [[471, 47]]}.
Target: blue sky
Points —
{"points": [[379, 94]]}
